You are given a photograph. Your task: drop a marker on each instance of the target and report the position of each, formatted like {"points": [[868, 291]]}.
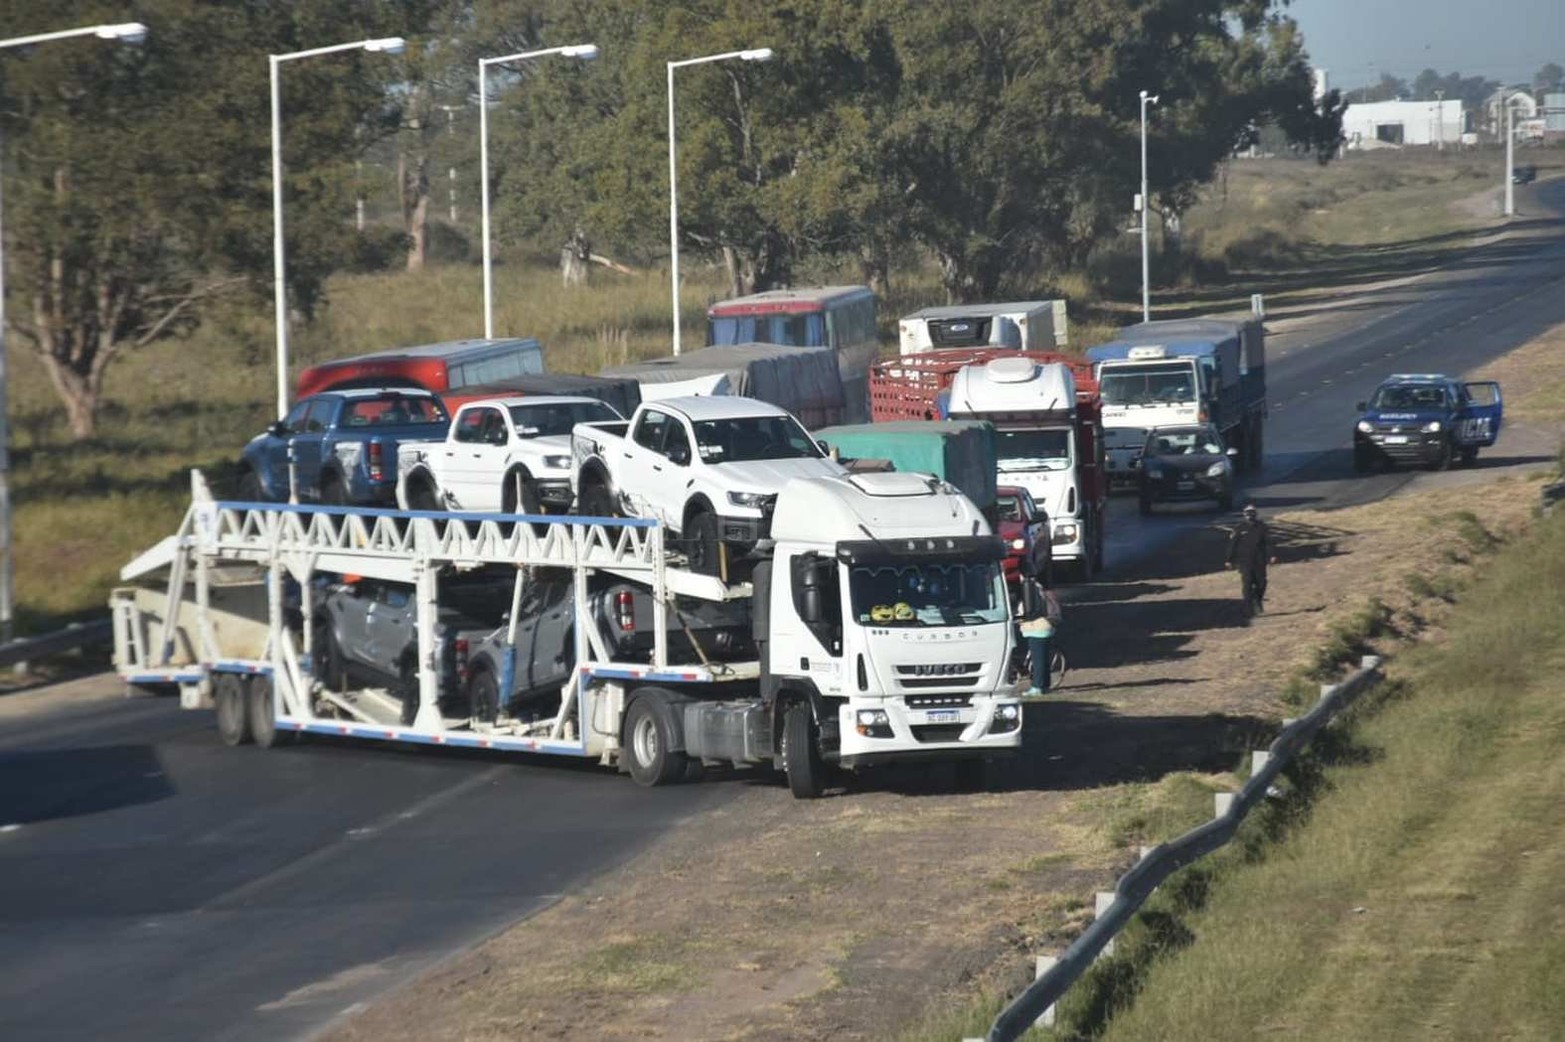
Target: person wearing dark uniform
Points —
{"points": [[1250, 550]]}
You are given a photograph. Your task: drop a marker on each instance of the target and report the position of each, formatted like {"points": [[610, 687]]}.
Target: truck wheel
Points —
{"points": [[801, 753], [1469, 455], [233, 716], [483, 696], [1442, 460], [263, 717], [702, 544], [333, 494], [595, 501], [250, 490], [648, 742], [331, 671], [421, 496]]}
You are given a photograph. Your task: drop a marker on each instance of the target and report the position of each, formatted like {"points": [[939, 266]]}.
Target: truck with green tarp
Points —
{"points": [[959, 452]]}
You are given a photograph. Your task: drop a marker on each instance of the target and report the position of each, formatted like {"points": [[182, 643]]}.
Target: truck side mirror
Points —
{"points": [[812, 606], [814, 609]]}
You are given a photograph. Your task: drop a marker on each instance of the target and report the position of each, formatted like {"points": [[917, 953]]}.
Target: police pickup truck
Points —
{"points": [[1426, 418]]}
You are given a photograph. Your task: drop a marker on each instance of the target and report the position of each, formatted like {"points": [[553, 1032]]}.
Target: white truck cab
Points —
{"points": [[1033, 407], [501, 454]]}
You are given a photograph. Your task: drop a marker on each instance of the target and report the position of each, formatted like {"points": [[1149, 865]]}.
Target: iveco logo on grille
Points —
{"points": [[936, 669]]}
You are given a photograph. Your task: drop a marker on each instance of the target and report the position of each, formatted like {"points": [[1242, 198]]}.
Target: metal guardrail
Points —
{"points": [[76, 635], [1162, 861]]}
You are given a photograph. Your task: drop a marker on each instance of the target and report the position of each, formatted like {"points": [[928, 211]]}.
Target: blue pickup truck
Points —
{"points": [[1426, 418], [342, 446]]}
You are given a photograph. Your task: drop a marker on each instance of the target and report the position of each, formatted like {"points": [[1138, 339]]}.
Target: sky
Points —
{"points": [[1357, 40]]}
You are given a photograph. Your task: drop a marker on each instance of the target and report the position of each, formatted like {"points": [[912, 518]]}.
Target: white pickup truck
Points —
{"points": [[501, 454], [709, 468]]}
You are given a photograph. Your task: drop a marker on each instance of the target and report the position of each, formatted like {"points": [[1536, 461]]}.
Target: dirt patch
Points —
{"points": [[855, 918]]}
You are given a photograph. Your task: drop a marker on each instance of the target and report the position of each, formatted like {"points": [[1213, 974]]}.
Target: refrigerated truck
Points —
{"points": [[1026, 325], [881, 619]]}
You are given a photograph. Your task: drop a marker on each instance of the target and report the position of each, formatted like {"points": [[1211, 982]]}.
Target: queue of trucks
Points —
{"points": [[686, 562]]}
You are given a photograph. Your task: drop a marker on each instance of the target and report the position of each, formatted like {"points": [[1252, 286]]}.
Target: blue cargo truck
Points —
{"points": [[1179, 372]]}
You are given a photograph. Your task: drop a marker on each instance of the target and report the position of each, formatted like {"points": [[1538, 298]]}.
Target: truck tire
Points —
{"points": [[801, 753], [483, 696], [333, 493], [529, 503], [1469, 455], [233, 715], [702, 545], [648, 741], [263, 717], [250, 490], [332, 670], [596, 500]]}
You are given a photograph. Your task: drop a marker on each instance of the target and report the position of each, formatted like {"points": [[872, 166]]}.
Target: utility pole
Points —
{"points": [[1146, 265], [1510, 155], [1440, 117]]}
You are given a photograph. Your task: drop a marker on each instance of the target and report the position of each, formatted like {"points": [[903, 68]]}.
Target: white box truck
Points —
{"points": [[1030, 325]]}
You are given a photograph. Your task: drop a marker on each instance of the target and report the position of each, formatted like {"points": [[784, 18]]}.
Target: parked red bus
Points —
{"points": [[839, 317], [434, 367]]}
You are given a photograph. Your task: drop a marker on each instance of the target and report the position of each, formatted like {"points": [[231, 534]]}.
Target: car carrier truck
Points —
{"points": [[881, 625]]}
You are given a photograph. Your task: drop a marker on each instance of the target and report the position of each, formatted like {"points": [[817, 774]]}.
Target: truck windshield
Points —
{"points": [[1032, 449], [748, 438], [928, 594], [392, 411], [533, 421], [1144, 383], [790, 330]]}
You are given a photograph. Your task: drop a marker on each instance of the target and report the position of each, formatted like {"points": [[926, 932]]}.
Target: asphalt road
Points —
{"points": [[156, 885]]}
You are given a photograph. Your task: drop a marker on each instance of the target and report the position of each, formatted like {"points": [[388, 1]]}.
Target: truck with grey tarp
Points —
{"points": [[803, 380]]}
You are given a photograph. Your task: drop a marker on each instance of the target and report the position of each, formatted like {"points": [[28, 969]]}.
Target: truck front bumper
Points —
{"points": [[1414, 447], [876, 731]]}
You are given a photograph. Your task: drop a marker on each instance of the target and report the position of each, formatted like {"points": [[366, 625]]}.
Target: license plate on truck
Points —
{"points": [[1396, 439], [942, 716]]}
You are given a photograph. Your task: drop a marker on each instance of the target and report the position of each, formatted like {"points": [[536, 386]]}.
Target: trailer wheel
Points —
{"points": [[649, 743], [331, 670], [801, 753], [233, 715], [263, 717], [483, 696]]}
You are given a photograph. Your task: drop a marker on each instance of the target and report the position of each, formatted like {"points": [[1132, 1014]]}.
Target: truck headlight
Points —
{"points": [[1006, 718], [1432, 427], [873, 723], [753, 500], [1065, 533], [1365, 427], [557, 462], [1217, 469]]}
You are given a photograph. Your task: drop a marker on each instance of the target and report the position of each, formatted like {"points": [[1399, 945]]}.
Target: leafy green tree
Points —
{"points": [[138, 188]]}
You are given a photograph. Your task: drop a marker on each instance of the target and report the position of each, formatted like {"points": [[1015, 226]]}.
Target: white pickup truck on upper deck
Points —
{"points": [[709, 468], [501, 454]]}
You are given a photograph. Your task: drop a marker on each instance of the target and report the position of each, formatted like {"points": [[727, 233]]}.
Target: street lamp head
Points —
{"points": [[386, 45], [584, 51], [125, 32], [760, 54]]}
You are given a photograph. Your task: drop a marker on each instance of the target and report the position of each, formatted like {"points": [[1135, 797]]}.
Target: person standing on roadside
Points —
{"points": [[1250, 550]]}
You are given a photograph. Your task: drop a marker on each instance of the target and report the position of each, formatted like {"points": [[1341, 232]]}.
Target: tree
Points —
{"points": [[139, 190], [1549, 79], [1390, 88]]}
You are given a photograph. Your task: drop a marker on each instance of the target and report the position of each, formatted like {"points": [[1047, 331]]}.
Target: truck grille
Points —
{"points": [[940, 674], [938, 701]]}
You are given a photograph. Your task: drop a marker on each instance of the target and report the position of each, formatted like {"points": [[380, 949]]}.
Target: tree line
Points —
{"points": [[998, 137]]}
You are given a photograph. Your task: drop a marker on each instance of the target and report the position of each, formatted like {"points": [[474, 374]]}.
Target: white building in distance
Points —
{"points": [[1383, 124]]}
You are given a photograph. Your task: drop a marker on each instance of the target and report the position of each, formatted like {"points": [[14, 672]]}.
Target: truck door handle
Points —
{"points": [[657, 468]]}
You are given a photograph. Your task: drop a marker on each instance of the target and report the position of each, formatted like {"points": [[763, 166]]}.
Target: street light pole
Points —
{"points": [[1146, 265], [1510, 156], [760, 54], [584, 51], [1440, 120], [124, 32], [384, 45]]}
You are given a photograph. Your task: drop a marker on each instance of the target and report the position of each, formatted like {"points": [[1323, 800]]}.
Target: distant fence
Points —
{"points": [[1136, 885], [76, 635]]}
